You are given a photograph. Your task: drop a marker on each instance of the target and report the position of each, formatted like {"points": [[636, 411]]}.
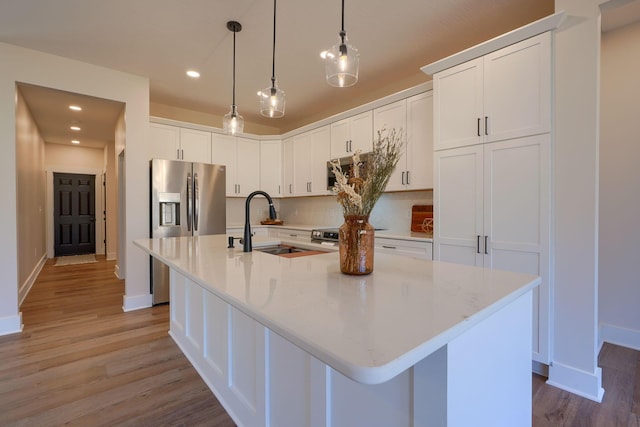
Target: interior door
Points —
{"points": [[74, 214]]}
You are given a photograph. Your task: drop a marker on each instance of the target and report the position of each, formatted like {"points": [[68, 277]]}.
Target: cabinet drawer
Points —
{"points": [[409, 248], [292, 234]]}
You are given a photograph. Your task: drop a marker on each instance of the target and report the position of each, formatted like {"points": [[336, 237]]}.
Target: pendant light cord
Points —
{"points": [[273, 59], [234, 74], [342, 32]]}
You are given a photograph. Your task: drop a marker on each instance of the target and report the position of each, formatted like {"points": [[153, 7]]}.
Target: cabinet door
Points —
{"points": [[340, 135], [516, 219], [195, 145], [287, 166], [458, 205], [517, 89], [224, 153], [248, 165], [164, 141], [457, 104], [271, 167], [318, 156], [386, 118], [301, 175], [420, 142], [362, 132]]}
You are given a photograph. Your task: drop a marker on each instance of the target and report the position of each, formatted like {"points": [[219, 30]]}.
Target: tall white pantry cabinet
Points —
{"points": [[492, 136]]}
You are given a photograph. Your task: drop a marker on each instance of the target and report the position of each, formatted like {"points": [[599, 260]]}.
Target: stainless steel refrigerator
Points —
{"points": [[187, 199]]}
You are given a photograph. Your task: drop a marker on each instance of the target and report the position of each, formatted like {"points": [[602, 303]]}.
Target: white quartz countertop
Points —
{"points": [[369, 328]]}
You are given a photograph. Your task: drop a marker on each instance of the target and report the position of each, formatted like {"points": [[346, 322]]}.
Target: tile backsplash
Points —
{"points": [[392, 212]]}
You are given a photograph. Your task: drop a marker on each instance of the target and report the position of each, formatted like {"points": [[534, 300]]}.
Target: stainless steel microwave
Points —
{"points": [[346, 163]]}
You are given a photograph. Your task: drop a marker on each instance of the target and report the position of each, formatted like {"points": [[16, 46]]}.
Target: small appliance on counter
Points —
{"points": [[187, 199]]}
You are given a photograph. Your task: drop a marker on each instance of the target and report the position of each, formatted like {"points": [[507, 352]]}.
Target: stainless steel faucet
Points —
{"points": [[246, 240]]}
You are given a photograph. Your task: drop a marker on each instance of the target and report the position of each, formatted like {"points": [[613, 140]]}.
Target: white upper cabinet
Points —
{"points": [[195, 145], [351, 134], [271, 167], [414, 116], [503, 95], [176, 143], [287, 167], [241, 156], [310, 156]]}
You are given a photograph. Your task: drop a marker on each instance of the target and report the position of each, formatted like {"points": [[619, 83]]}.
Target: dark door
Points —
{"points": [[74, 217]]}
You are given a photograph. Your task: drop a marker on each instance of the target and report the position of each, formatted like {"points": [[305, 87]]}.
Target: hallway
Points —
{"points": [[80, 360]]}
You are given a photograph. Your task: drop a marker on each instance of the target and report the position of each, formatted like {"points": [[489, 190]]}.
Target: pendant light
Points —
{"points": [[341, 61], [272, 99], [233, 122]]}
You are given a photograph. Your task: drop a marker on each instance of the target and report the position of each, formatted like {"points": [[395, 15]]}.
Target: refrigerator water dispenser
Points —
{"points": [[169, 209]]}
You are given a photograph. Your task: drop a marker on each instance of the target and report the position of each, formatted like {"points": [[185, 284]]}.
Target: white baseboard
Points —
{"points": [[620, 336], [582, 383], [136, 302], [116, 271], [24, 289], [11, 324]]}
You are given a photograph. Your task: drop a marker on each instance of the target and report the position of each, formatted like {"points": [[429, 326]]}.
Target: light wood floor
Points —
{"points": [[81, 361]]}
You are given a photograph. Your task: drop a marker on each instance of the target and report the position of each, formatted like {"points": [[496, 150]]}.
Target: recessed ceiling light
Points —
{"points": [[193, 73], [76, 128], [75, 141], [75, 108]]}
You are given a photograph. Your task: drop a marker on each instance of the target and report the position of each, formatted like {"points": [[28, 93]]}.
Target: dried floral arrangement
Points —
{"points": [[359, 188]]}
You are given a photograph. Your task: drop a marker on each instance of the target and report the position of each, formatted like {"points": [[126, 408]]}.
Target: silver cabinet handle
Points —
{"points": [[278, 189], [389, 247], [486, 125], [486, 249], [178, 153], [290, 191], [182, 154], [402, 177], [478, 244], [346, 146], [408, 183]]}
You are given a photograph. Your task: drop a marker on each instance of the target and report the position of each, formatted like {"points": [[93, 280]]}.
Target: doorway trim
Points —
{"points": [[50, 170]]}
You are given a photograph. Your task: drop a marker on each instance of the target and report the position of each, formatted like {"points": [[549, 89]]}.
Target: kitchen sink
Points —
{"points": [[287, 251]]}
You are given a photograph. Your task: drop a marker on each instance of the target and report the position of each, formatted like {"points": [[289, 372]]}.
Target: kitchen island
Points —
{"points": [[293, 342]]}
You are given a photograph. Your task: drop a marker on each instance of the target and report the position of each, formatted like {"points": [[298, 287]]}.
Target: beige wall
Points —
{"points": [[70, 156], [619, 292], [30, 198]]}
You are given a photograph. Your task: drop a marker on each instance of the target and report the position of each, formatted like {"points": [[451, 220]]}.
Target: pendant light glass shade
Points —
{"points": [[341, 61], [233, 122], [272, 99]]}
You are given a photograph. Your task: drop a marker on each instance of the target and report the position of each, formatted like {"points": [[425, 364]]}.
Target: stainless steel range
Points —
{"points": [[320, 235]]}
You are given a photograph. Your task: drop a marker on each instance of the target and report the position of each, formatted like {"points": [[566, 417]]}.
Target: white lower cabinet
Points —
{"points": [[262, 379], [492, 209], [410, 248]]}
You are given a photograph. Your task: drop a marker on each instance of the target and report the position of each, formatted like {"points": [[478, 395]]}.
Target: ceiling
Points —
{"points": [[161, 39]]}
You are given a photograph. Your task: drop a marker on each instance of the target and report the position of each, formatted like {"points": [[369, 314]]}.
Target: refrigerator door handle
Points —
{"points": [[196, 202], [189, 204]]}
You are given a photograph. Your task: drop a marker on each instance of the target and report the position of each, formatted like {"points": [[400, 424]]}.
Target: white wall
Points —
{"points": [[575, 249], [30, 200], [29, 66], [619, 281], [71, 155]]}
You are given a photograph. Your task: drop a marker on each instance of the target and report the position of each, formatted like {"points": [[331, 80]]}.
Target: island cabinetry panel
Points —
{"points": [[263, 379], [177, 143], [411, 248], [491, 209], [352, 134], [242, 159], [310, 156], [505, 94], [414, 116], [271, 167]]}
